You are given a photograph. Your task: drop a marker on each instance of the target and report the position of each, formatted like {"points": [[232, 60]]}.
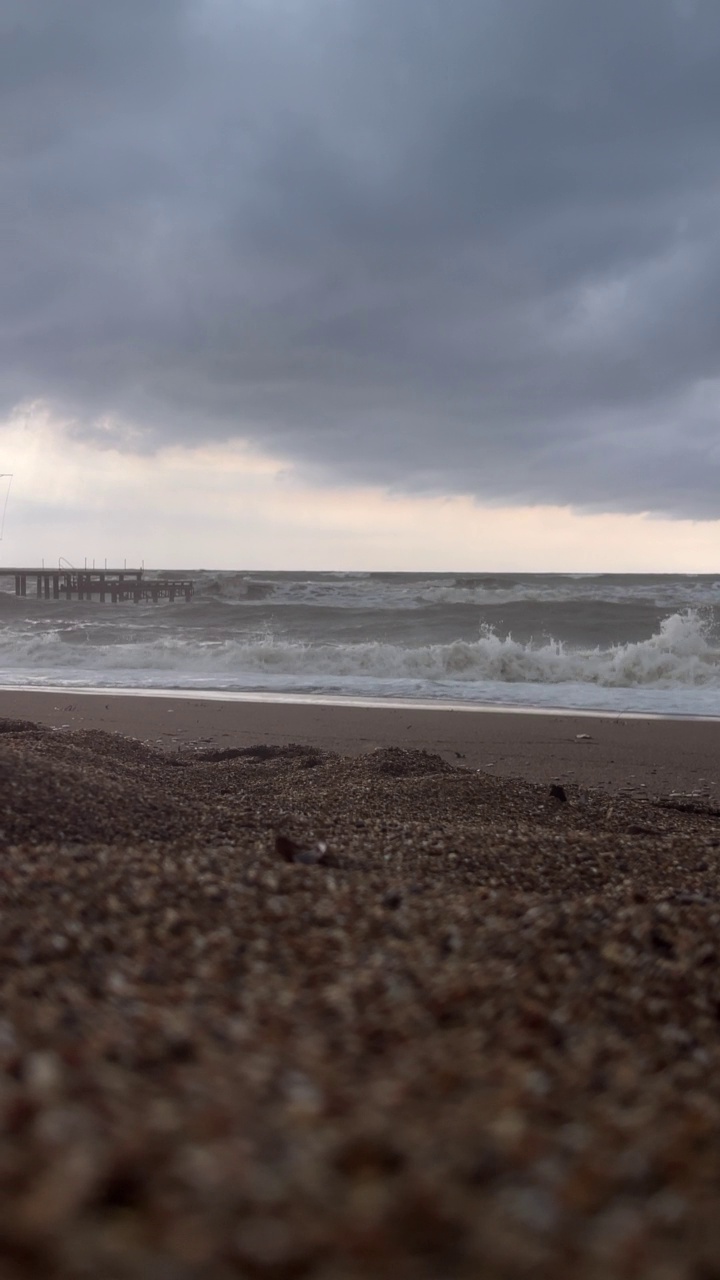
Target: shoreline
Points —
{"points": [[349, 700], [643, 754]]}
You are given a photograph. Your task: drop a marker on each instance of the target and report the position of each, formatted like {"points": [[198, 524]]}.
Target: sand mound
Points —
{"points": [[482, 1042]]}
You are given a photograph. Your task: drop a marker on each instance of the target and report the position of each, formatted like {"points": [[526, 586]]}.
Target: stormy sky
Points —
{"points": [[447, 247]]}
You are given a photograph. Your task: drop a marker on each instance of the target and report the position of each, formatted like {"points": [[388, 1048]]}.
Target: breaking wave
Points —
{"points": [[684, 653], [415, 592]]}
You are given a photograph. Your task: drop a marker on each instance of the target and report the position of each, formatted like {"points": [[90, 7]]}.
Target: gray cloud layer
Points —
{"points": [[440, 244]]}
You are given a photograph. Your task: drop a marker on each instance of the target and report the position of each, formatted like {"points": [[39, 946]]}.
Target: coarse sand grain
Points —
{"points": [[477, 1035]]}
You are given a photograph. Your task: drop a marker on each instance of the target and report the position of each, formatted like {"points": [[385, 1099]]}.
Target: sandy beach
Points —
{"points": [[428, 994], [659, 755]]}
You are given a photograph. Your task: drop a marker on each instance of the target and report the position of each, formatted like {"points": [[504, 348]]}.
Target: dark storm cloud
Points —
{"points": [[470, 245]]}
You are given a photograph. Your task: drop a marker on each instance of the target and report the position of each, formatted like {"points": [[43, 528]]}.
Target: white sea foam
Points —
{"points": [[683, 654]]}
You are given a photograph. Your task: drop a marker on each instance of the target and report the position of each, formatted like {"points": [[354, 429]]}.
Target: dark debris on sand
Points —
{"points": [[481, 1040]]}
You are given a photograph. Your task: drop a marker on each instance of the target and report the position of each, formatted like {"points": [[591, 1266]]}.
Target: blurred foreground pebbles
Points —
{"points": [[274, 1013]]}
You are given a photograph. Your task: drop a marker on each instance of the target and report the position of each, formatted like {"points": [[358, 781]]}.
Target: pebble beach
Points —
{"points": [[274, 1010]]}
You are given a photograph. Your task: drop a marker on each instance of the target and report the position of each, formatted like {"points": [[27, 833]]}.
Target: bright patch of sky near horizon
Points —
{"points": [[227, 506]]}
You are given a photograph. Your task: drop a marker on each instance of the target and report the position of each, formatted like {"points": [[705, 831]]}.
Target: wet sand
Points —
{"points": [[271, 1011], [659, 755]]}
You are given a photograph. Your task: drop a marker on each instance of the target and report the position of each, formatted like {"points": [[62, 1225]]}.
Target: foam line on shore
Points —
{"points": [[337, 700]]}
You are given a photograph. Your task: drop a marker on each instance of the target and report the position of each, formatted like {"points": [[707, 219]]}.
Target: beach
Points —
{"points": [[610, 751], [304, 990]]}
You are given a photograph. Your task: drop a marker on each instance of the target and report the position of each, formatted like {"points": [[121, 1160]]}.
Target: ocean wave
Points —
{"points": [[240, 587], [411, 593], [404, 593], [674, 595], [684, 653]]}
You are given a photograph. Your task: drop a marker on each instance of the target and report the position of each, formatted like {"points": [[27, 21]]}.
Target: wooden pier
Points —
{"points": [[118, 585]]}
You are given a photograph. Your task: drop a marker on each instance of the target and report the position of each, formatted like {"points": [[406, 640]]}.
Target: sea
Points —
{"points": [[611, 643]]}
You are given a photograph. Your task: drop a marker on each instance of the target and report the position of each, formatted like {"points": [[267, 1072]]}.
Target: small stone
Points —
{"points": [[291, 851]]}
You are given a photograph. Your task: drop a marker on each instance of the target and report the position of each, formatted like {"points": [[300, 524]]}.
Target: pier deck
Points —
{"points": [[86, 584]]}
